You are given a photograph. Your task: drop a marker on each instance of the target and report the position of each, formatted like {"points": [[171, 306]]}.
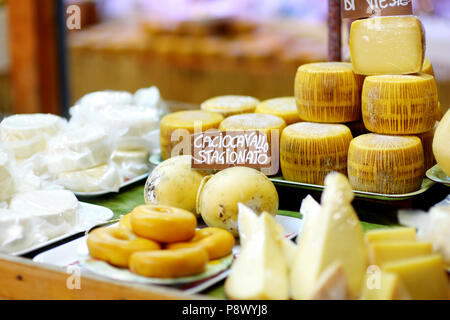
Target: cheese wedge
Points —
{"points": [[383, 252], [230, 105], [260, 272], [384, 286], [391, 234], [335, 236], [424, 277], [387, 45]]}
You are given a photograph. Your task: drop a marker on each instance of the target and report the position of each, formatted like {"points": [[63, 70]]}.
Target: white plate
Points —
{"points": [[89, 215], [68, 255], [102, 193]]}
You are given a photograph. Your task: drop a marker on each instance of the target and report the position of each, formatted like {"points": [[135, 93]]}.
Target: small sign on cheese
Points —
{"points": [[218, 150], [367, 8]]}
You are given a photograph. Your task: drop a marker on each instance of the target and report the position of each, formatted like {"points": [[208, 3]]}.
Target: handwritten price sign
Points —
{"points": [[367, 8]]}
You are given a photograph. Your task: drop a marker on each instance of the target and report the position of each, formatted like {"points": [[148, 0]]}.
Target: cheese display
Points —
{"points": [[102, 178], [35, 217], [78, 149], [387, 45], [176, 129], [399, 104], [131, 163], [309, 151], [427, 67], [386, 164], [285, 108], [28, 134], [174, 183], [424, 277], [219, 195], [441, 144], [264, 123], [387, 286], [260, 272], [328, 92], [335, 235], [230, 105]]}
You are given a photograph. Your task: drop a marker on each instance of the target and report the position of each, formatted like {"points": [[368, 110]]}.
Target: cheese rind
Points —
{"points": [[230, 105], [177, 127], [328, 92], [399, 104], [387, 45], [309, 151], [386, 164], [285, 108], [424, 277]]}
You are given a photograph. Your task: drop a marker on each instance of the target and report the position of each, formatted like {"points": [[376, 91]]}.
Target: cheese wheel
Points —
{"points": [[387, 45], [427, 67], [264, 123], [309, 151], [285, 108], [27, 134], [102, 178], [181, 125], [328, 92], [230, 105], [78, 149], [386, 164], [399, 104]]}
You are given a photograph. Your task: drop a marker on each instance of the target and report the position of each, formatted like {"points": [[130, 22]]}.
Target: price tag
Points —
{"points": [[356, 9]]}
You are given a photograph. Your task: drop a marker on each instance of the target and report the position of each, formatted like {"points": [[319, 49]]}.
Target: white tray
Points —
{"points": [[102, 193], [70, 253], [89, 215]]}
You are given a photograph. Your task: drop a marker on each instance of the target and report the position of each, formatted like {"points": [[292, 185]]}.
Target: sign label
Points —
{"points": [[216, 150], [356, 9]]}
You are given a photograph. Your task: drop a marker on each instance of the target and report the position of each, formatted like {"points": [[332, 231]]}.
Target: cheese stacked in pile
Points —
{"points": [[396, 100]]}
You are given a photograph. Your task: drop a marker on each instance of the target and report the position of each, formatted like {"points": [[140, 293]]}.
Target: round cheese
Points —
{"points": [[106, 98], [441, 144], [386, 164], [176, 128], [102, 178], [230, 105], [285, 108], [399, 104], [328, 92], [309, 151], [131, 163]]}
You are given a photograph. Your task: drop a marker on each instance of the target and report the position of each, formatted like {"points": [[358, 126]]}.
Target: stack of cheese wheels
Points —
{"points": [[399, 105], [230, 105], [284, 107], [79, 158], [28, 134], [309, 151], [386, 164], [261, 122], [328, 92], [176, 129]]}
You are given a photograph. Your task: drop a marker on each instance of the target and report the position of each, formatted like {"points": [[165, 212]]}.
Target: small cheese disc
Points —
{"points": [[309, 151], [230, 105], [285, 108], [399, 104], [386, 164], [328, 92], [387, 45], [182, 124]]}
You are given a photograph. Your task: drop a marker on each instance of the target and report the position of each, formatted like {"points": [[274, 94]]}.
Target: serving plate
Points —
{"points": [[427, 183], [438, 175], [75, 253], [102, 193], [89, 215]]}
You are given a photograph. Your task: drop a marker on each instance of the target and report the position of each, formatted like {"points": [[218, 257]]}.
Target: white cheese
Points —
{"points": [[102, 178]]}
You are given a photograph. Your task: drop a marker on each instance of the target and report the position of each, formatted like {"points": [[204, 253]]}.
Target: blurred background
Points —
{"points": [[53, 52]]}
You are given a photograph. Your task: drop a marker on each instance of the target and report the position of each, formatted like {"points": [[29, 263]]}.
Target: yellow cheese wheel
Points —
{"points": [[182, 124], [285, 108], [230, 105], [309, 151], [264, 123], [399, 104], [427, 67], [386, 164], [328, 92]]}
